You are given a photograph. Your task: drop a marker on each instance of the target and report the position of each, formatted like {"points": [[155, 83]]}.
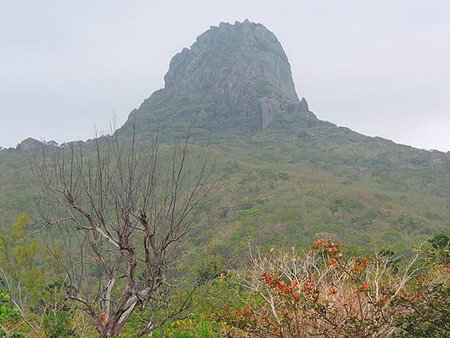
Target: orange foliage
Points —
{"points": [[319, 293]]}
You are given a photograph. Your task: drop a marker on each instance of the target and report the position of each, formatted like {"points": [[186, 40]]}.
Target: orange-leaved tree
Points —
{"points": [[321, 292]]}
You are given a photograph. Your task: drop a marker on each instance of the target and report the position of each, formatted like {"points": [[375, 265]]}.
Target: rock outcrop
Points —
{"points": [[30, 144], [234, 77]]}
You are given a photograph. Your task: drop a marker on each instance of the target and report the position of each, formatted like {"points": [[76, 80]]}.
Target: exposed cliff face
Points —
{"points": [[231, 61], [234, 76]]}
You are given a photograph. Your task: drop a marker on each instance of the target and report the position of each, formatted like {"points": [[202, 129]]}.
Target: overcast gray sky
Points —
{"points": [[380, 67]]}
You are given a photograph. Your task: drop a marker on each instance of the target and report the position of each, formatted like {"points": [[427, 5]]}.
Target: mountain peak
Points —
{"points": [[228, 57], [234, 76]]}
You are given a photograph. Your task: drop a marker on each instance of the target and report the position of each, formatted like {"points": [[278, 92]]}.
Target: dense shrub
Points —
{"points": [[325, 293]]}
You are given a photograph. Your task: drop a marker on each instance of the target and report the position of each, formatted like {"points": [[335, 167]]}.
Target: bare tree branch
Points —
{"points": [[133, 210]]}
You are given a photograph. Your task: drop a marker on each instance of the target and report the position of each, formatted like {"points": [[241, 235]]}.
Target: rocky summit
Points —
{"points": [[235, 77]]}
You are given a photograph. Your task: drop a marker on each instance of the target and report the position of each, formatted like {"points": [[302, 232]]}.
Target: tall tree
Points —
{"points": [[122, 211]]}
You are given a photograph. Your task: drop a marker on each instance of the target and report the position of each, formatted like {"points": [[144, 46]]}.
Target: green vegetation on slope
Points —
{"points": [[293, 181]]}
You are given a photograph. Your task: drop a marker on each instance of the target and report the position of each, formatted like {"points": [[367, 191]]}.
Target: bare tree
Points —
{"points": [[121, 211]]}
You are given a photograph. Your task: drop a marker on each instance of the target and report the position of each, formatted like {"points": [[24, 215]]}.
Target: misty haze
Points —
{"points": [[225, 169]]}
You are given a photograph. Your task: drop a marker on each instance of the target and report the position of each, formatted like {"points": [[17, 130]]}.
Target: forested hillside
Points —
{"points": [[283, 178]]}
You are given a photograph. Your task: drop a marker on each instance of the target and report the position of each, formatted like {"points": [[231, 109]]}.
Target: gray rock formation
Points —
{"points": [[29, 144], [303, 106], [230, 61], [235, 77]]}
